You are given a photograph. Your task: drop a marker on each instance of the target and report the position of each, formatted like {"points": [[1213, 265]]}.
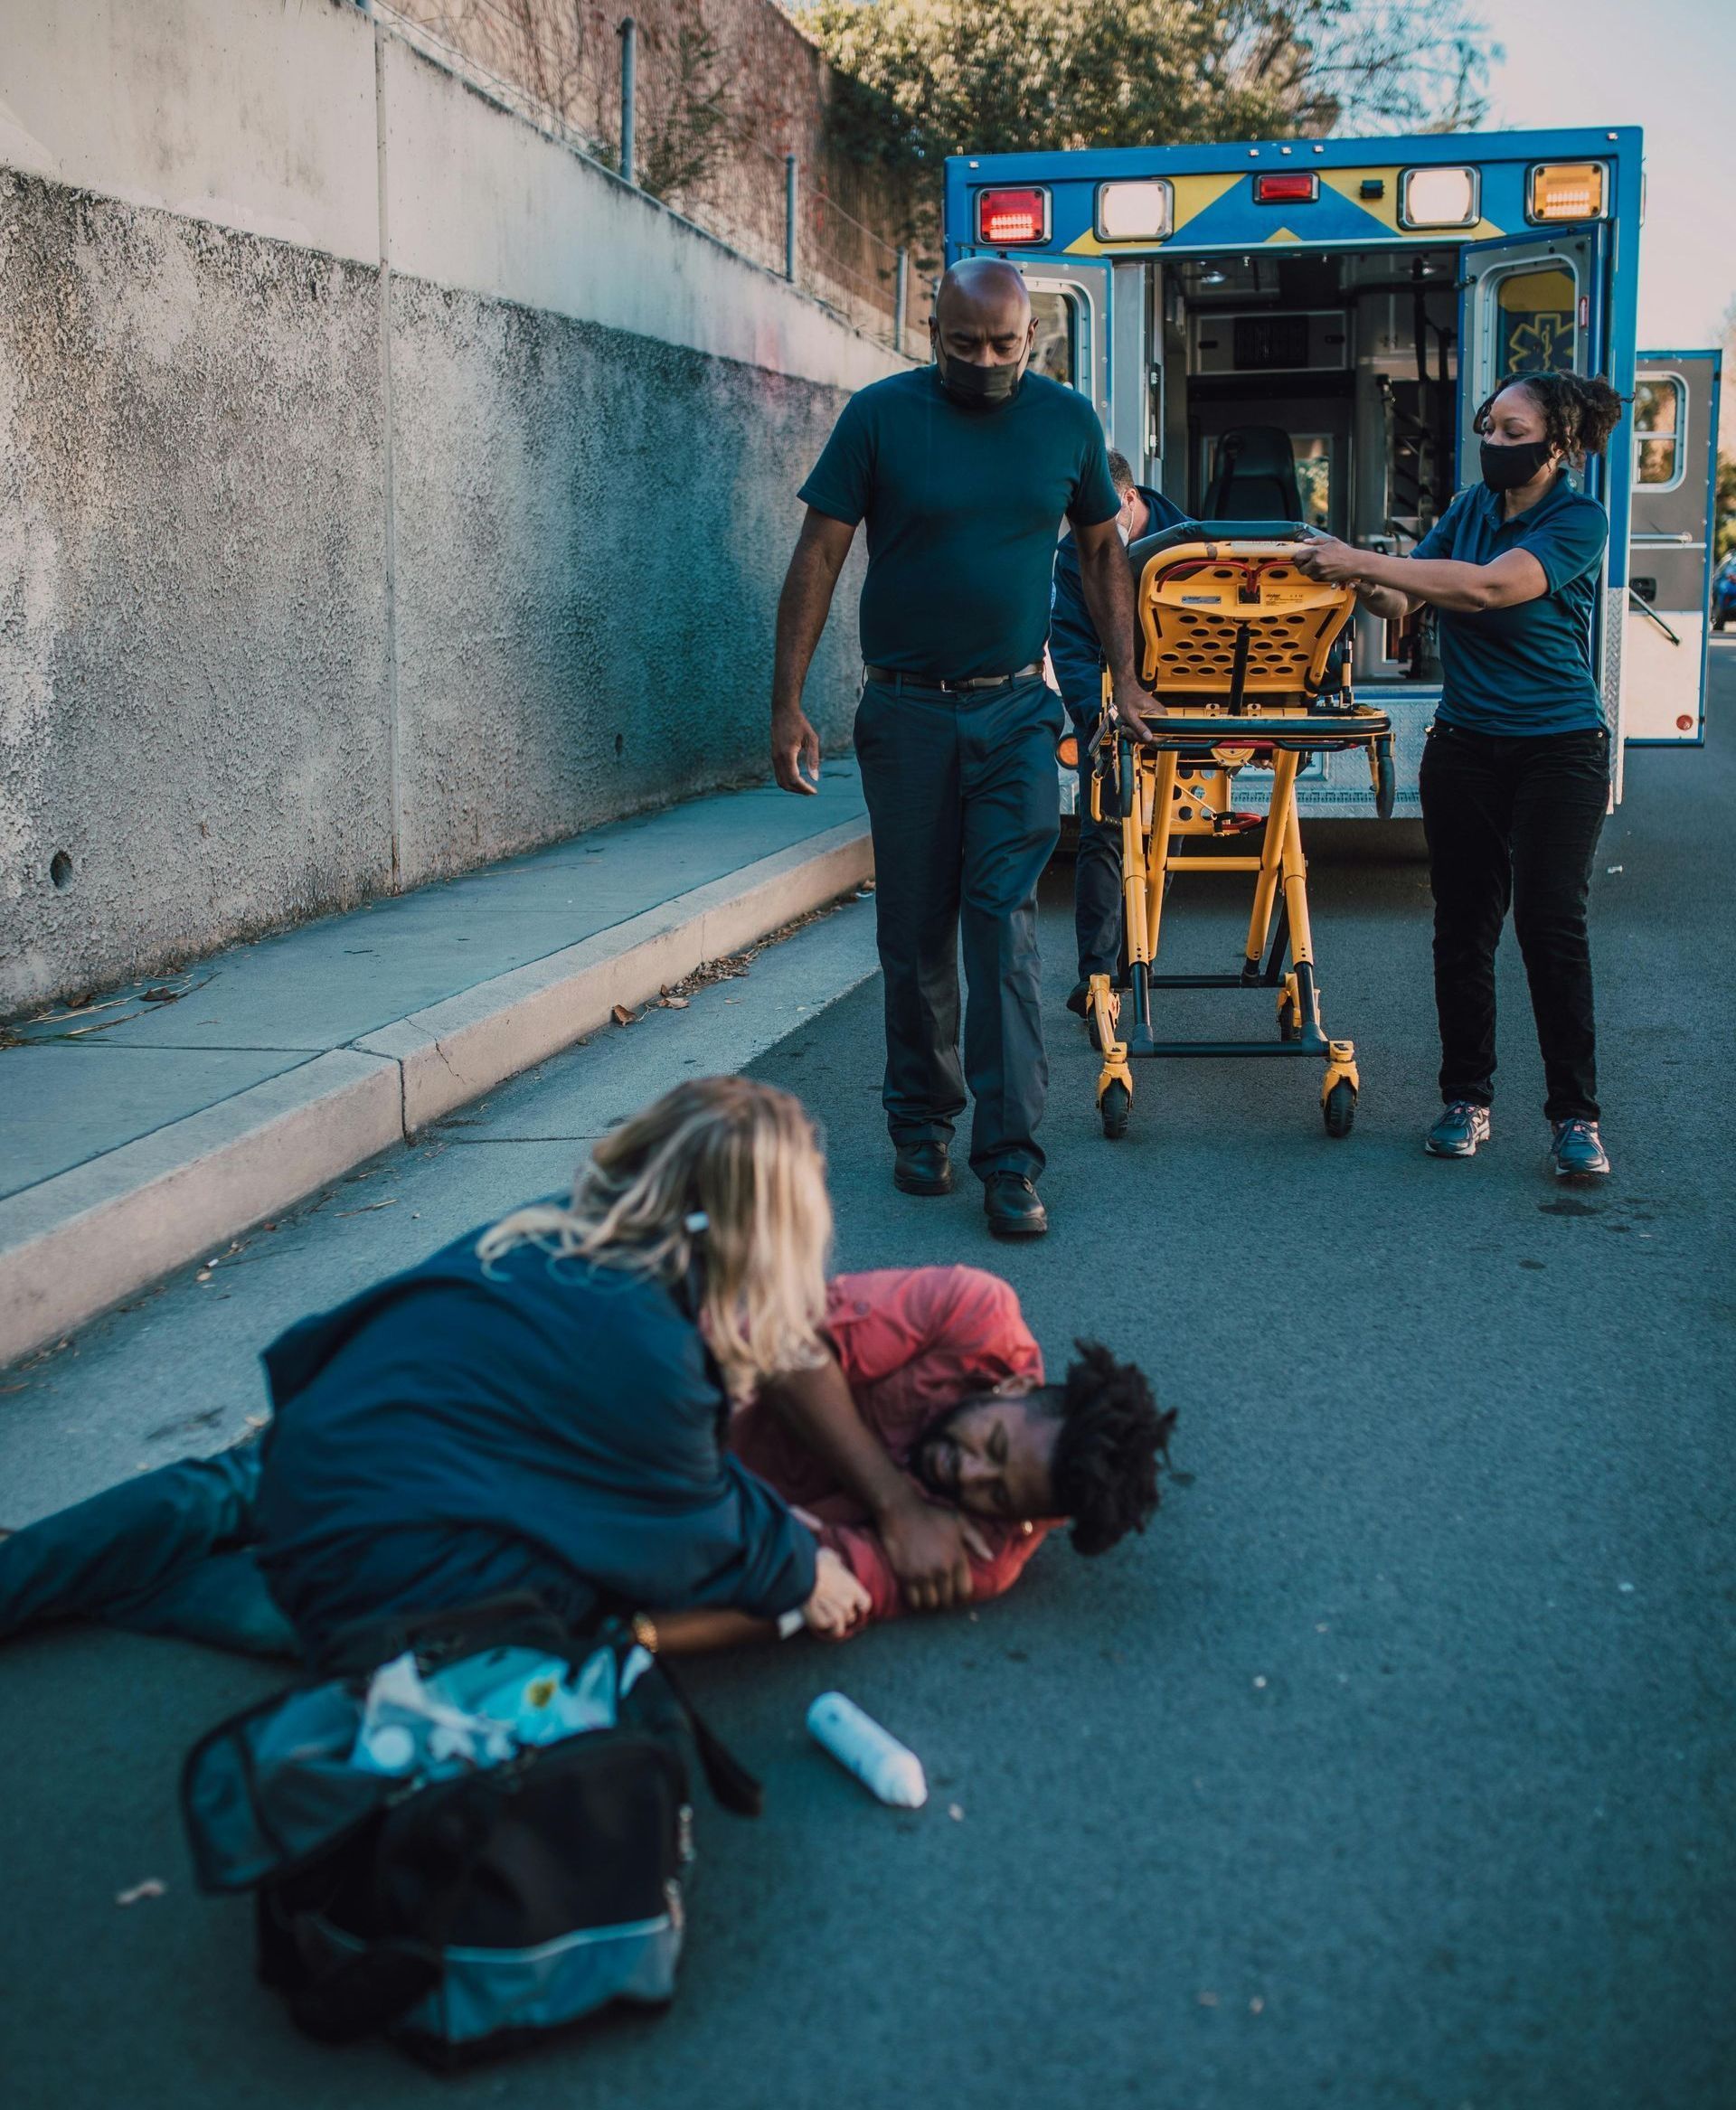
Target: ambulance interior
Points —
{"points": [[1312, 386]]}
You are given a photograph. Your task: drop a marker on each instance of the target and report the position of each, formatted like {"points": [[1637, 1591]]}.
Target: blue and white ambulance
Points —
{"points": [[1302, 329]]}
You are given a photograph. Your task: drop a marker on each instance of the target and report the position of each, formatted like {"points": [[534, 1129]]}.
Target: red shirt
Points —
{"points": [[912, 1343]]}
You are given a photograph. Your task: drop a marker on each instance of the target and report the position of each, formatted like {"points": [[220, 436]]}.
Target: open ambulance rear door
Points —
{"points": [[1675, 471]]}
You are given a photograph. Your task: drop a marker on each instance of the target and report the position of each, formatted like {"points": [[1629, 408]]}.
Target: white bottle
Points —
{"points": [[883, 1765]]}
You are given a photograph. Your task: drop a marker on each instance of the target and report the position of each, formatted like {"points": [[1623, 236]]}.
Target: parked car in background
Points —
{"points": [[1724, 593]]}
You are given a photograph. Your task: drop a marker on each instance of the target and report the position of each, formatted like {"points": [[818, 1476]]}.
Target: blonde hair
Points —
{"points": [[745, 1157]]}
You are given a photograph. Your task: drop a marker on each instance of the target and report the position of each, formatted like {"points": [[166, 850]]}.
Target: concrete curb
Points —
{"points": [[89, 1237]]}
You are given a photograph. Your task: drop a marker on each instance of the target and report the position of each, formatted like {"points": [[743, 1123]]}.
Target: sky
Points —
{"points": [[1667, 65]]}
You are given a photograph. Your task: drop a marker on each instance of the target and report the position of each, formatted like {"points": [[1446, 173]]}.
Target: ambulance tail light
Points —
{"points": [[1567, 190], [1134, 211], [1009, 219], [1438, 197], [1300, 189]]}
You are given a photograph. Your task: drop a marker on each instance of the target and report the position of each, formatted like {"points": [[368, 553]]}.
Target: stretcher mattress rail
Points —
{"points": [[1333, 730]]}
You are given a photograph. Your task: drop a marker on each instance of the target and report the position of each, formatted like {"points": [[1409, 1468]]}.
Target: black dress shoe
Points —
{"points": [[1013, 1208], [1079, 999], [923, 1168]]}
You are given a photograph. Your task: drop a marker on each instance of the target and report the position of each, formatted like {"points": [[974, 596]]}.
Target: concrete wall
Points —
{"points": [[383, 488]]}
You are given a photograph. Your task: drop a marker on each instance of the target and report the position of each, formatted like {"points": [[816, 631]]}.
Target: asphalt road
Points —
{"points": [[1393, 1768]]}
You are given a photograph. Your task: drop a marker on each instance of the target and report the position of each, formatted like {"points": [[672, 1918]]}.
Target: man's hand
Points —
{"points": [[821, 549], [795, 750], [928, 1547], [1134, 705]]}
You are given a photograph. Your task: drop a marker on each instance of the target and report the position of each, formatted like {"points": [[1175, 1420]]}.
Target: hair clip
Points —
{"points": [[697, 1223]]}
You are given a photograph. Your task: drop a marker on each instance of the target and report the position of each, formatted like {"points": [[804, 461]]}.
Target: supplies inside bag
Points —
{"points": [[436, 1727]]}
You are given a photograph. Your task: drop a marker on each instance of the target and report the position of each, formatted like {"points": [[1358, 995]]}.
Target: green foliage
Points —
{"points": [[690, 117], [1001, 76], [1724, 511]]}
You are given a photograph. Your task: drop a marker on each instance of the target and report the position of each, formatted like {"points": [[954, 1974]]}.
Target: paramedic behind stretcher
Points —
{"points": [[1515, 775], [963, 471], [1077, 657]]}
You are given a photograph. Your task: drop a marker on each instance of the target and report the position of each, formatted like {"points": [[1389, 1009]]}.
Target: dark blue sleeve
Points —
{"points": [[1570, 543], [1095, 497], [842, 480], [1074, 651]]}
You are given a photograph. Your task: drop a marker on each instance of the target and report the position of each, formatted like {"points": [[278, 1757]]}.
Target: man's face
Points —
{"points": [[990, 1454], [987, 326]]}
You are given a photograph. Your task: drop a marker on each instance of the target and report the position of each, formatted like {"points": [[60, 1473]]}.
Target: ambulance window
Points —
{"points": [[1660, 417], [1057, 317], [1535, 321], [1312, 452]]}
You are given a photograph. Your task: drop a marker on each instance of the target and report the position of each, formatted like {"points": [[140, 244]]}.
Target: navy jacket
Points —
{"points": [[1074, 651], [544, 1423]]}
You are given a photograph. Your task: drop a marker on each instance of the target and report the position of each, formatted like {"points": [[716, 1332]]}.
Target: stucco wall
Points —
{"points": [[318, 576], [593, 518], [192, 647]]}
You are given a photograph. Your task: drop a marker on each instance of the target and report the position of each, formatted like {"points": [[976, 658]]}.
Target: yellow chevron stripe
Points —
{"points": [[1193, 194]]}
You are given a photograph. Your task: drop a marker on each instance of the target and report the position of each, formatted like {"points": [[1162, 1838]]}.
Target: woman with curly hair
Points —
{"points": [[1516, 775]]}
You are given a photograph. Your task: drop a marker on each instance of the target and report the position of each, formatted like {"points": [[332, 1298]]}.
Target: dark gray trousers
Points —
{"points": [[965, 804]]}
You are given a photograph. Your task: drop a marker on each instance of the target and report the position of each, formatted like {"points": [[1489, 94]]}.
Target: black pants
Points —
{"points": [[965, 806], [1097, 876], [1515, 822]]}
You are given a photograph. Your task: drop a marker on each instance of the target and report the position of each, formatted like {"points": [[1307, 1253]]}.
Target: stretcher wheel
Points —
{"points": [[1116, 1109], [1339, 1107], [1386, 781]]}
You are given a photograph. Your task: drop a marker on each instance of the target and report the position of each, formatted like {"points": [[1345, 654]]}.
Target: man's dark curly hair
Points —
{"points": [[1579, 415], [1105, 1464]]}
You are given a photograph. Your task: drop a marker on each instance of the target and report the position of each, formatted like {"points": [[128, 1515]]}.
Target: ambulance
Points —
{"points": [[1302, 330]]}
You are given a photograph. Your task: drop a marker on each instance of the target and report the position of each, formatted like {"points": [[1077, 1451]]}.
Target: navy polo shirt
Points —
{"points": [[1523, 670], [963, 506]]}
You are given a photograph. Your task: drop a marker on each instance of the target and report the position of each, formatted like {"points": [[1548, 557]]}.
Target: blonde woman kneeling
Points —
{"points": [[540, 1406]]}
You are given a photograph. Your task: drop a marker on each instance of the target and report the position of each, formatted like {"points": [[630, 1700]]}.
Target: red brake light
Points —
{"points": [[1301, 189], [1004, 219]]}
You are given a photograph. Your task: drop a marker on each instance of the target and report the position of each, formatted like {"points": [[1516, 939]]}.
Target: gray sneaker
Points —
{"points": [[1576, 1150], [1461, 1127]]}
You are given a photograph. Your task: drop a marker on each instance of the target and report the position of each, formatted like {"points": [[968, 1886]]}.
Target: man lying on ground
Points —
{"points": [[938, 1371], [934, 1389]]}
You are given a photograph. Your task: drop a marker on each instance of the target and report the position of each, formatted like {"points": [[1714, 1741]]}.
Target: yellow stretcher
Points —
{"points": [[1244, 653]]}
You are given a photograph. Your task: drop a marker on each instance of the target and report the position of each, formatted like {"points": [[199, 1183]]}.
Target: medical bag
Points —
{"points": [[463, 1907]]}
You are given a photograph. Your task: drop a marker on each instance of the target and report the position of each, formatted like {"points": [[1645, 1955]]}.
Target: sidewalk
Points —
{"points": [[160, 1119]]}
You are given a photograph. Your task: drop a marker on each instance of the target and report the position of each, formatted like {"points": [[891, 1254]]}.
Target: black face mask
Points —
{"points": [[983, 388], [1504, 468]]}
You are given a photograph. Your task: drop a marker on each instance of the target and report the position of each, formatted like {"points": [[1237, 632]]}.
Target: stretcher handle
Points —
{"points": [[1278, 532]]}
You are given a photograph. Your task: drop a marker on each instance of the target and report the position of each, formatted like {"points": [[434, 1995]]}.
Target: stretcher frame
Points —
{"points": [[1240, 647]]}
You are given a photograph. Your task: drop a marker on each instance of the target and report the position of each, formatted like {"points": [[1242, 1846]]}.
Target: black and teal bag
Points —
{"points": [[462, 1915]]}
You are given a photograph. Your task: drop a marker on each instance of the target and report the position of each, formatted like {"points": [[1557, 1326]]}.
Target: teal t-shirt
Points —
{"points": [[1523, 670], [963, 507]]}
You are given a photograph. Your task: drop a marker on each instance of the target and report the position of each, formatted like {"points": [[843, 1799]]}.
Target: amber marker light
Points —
{"points": [[1567, 190]]}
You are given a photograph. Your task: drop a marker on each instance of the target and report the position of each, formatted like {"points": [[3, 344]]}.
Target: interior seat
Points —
{"points": [[1254, 477]]}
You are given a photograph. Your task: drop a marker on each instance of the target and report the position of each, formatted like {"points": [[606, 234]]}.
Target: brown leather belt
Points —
{"points": [[888, 677]]}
